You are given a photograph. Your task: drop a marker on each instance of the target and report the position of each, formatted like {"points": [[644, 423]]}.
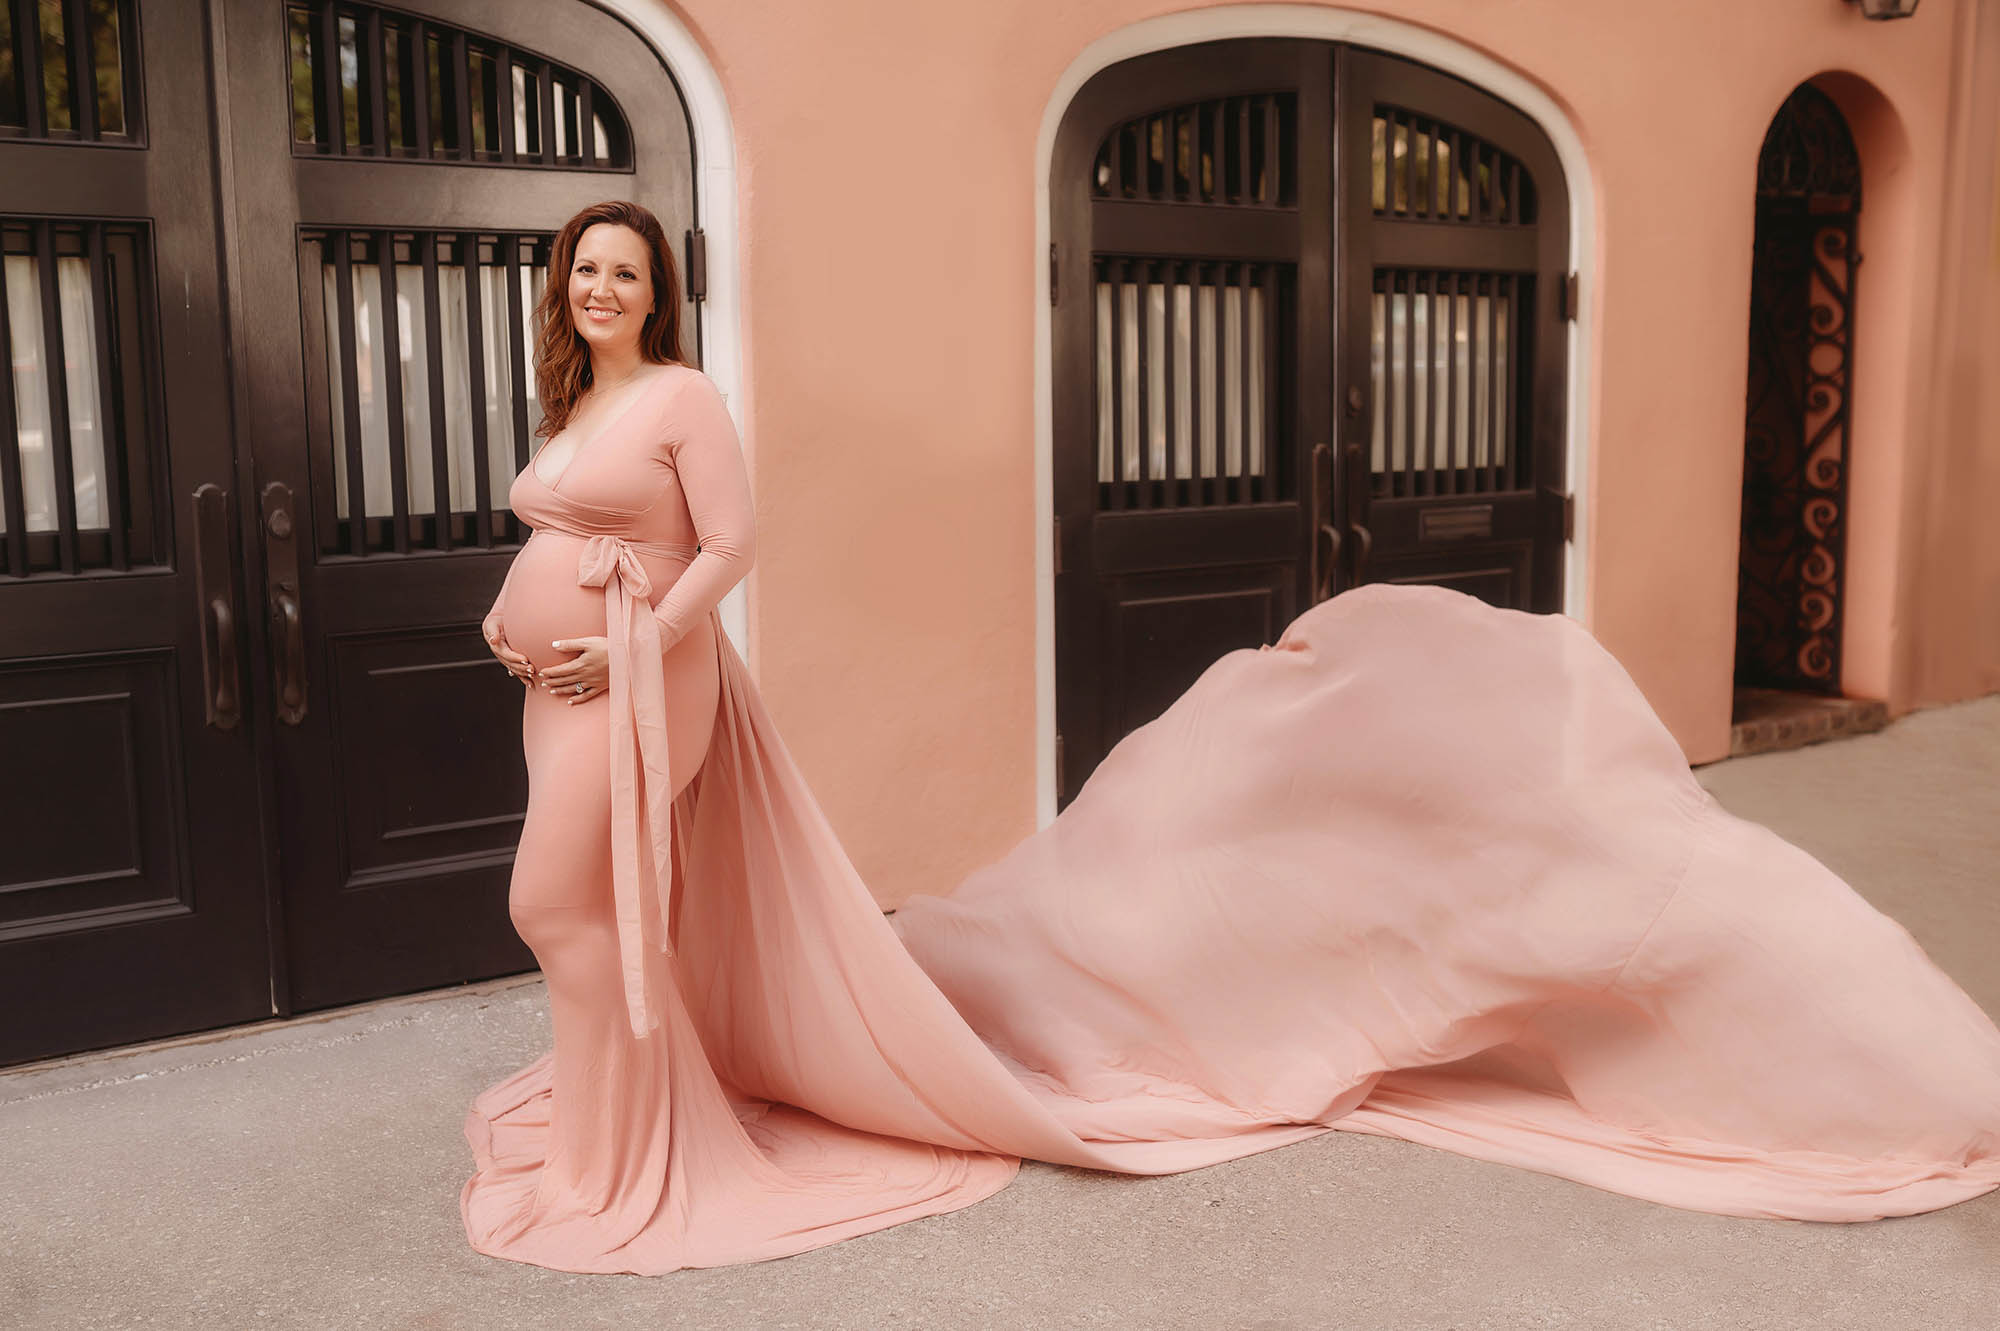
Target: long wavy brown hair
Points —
{"points": [[562, 358]]}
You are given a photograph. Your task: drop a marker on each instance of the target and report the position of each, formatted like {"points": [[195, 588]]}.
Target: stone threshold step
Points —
{"points": [[1767, 720]]}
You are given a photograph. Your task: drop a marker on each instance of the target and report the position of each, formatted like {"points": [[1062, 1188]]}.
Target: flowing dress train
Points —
{"points": [[1332, 886]]}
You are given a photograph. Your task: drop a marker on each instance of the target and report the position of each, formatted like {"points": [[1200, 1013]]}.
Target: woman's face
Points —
{"points": [[610, 287]]}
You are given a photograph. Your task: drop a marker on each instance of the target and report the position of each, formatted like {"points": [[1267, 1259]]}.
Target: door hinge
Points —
{"points": [[1569, 297], [1058, 542], [1060, 791], [697, 265], [1052, 272]]}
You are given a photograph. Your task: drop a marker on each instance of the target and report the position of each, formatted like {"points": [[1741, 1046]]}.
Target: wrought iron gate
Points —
{"points": [[1794, 522]]}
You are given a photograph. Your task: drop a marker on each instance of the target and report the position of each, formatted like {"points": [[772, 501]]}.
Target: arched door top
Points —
{"points": [[1308, 331]]}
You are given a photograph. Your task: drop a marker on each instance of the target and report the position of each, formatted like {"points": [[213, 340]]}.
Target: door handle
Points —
{"points": [[1364, 541], [281, 590], [1323, 582], [287, 629], [1322, 566], [216, 590], [1358, 490]]}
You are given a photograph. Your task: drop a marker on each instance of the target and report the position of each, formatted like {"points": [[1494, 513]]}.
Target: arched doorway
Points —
{"points": [[1796, 447], [269, 387], [1307, 331]]}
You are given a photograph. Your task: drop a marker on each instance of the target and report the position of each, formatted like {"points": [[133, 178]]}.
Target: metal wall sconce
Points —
{"points": [[1886, 9]]}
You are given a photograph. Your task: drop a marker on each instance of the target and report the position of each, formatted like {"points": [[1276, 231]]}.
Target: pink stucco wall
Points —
{"points": [[887, 160]]}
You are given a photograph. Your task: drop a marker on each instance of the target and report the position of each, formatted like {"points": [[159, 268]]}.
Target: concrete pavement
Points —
{"points": [[306, 1174]]}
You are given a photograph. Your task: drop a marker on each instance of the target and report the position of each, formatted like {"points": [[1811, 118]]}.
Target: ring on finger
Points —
{"points": [[578, 689]]}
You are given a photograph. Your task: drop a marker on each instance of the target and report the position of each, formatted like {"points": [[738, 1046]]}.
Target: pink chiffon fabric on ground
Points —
{"points": [[1422, 868]]}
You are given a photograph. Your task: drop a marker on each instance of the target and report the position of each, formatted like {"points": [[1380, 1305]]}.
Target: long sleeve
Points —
{"points": [[700, 439]]}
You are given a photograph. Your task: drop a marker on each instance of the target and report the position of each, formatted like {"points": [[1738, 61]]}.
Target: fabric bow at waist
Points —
{"points": [[642, 871]]}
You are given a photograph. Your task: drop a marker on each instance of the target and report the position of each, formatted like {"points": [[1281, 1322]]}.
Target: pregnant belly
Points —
{"points": [[545, 602]]}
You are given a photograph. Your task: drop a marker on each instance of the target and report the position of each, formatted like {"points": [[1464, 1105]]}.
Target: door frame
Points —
{"points": [[1329, 24]]}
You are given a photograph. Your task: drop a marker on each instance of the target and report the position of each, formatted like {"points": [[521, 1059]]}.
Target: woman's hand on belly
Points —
{"points": [[496, 642], [584, 675]]}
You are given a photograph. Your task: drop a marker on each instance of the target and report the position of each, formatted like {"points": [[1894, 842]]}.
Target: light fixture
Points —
{"points": [[1886, 9]]}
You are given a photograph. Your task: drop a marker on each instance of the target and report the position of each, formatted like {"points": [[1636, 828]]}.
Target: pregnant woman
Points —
{"points": [[1330, 887]]}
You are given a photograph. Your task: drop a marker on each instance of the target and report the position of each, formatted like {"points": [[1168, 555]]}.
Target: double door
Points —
{"points": [[269, 303], [1308, 333]]}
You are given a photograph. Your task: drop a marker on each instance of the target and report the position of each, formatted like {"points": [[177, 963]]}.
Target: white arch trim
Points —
{"points": [[1330, 24], [714, 134]]}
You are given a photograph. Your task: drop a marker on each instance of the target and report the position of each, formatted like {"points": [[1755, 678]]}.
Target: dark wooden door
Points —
{"points": [[1190, 279], [1307, 332], [1453, 301], [266, 312], [131, 893], [412, 165]]}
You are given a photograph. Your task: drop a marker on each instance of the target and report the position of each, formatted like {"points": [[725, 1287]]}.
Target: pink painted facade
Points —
{"points": [[886, 237]]}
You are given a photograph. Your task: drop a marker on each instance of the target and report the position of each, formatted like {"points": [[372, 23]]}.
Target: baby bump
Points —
{"points": [[545, 602]]}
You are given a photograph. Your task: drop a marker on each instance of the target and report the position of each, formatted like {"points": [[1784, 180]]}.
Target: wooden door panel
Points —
{"points": [[132, 892], [1501, 577], [1165, 631], [95, 832], [1138, 540], [1191, 338], [393, 402], [420, 693], [1453, 255]]}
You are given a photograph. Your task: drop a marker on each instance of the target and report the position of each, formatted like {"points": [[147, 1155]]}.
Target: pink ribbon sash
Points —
{"points": [[642, 873]]}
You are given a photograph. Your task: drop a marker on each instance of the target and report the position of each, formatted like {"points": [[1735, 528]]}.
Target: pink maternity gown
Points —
{"points": [[1333, 886]]}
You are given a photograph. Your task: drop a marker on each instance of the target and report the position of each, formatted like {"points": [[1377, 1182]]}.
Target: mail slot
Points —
{"points": [[1461, 522]]}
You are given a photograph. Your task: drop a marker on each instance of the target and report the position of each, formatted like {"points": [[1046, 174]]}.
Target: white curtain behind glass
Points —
{"points": [[31, 393], [1455, 387], [1226, 368], [455, 385]]}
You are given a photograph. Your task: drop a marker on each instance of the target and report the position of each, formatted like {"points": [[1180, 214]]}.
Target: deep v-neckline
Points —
{"points": [[577, 456]]}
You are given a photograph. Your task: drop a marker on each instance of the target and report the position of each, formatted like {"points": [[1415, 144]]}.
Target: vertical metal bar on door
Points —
{"points": [[1114, 277], [326, 80], [460, 87], [1221, 492], [503, 61], [545, 89], [1269, 367], [55, 357], [516, 351], [1170, 481], [28, 73], [1197, 480], [420, 84], [371, 69], [82, 71], [350, 392], [1245, 381], [1145, 432], [1457, 281], [1412, 479], [392, 394], [110, 434], [475, 357], [10, 455], [1494, 438], [434, 365]]}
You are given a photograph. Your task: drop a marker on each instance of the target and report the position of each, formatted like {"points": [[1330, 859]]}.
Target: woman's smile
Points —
{"points": [[610, 277]]}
